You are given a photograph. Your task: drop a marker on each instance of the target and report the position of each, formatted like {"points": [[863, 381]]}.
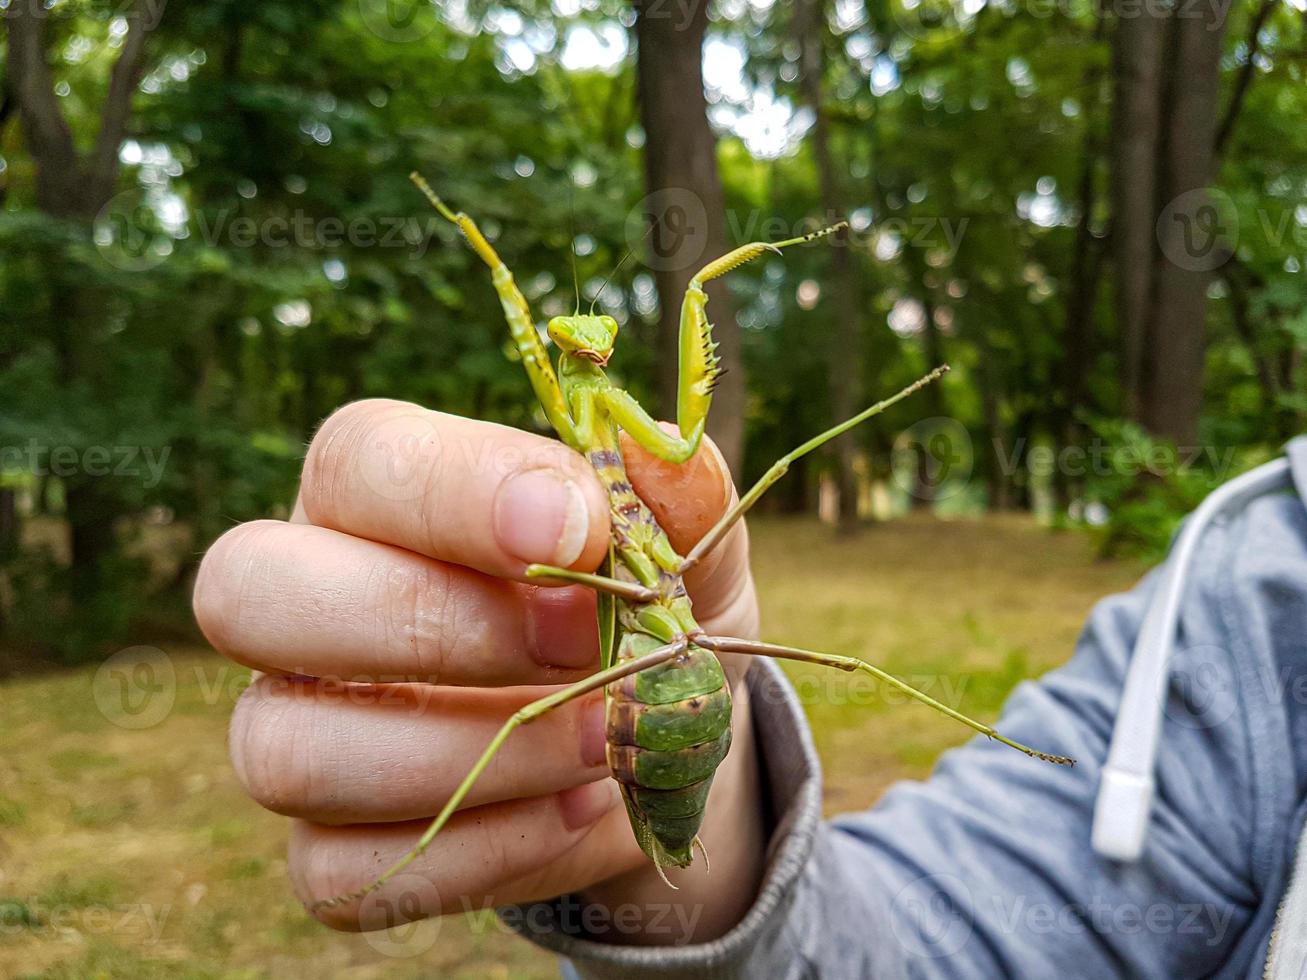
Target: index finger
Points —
{"points": [[481, 495]]}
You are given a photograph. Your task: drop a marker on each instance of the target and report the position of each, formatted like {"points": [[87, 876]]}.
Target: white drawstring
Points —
{"points": [[1125, 795]]}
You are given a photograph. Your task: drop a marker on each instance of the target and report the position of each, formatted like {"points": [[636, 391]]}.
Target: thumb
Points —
{"points": [[687, 499]]}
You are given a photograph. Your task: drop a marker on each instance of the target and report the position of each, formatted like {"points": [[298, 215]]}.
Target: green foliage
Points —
{"points": [[266, 260], [1140, 488]]}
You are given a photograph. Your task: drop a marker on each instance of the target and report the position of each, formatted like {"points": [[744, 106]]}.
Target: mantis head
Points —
{"points": [[584, 335]]}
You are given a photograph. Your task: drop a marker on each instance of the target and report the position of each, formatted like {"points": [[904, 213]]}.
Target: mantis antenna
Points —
{"points": [[571, 205], [618, 268]]}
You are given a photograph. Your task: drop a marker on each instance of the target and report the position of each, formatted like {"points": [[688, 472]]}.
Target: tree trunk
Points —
{"points": [[74, 186], [92, 514], [846, 335], [9, 528], [687, 204], [1082, 296], [1177, 342], [925, 488], [1136, 63], [10, 539], [998, 447]]}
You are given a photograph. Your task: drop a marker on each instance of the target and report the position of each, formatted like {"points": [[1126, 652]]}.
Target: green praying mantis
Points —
{"points": [[668, 706]]}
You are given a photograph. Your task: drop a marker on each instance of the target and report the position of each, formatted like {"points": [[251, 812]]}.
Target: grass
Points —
{"points": [[133, 853]]}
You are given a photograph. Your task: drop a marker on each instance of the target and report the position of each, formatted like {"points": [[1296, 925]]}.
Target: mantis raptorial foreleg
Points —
{"points": [[699, 367], [782, 465], [535, 359], [520, 717], [728, 644]]}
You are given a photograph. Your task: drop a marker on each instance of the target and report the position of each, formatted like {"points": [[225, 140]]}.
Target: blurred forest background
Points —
{"points": [[1097, 213]]}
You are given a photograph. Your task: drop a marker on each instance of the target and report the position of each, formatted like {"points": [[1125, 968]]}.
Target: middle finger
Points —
{"points": [[295, 598], [297, 747]]}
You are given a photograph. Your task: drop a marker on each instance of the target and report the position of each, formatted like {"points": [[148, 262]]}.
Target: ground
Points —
{"points": [[131, 852]]}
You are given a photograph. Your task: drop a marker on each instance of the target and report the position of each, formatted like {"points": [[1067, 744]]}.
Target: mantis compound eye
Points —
{"points": [[561, 331], [609, 324]]}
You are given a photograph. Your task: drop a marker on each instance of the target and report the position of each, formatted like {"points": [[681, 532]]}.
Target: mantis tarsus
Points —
{"points": [[667, 701]]}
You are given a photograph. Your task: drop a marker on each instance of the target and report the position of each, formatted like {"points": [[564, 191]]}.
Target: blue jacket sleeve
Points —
{"points": [[986, 870]]}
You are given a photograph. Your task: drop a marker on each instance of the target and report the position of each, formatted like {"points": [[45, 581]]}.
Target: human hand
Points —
{"points": [[393, 632]]}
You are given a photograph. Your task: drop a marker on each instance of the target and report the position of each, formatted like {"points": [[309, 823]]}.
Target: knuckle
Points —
{"points": [[420, 614]]}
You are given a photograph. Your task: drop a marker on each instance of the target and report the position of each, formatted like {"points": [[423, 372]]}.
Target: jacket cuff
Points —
{"points": [[791, 781]]}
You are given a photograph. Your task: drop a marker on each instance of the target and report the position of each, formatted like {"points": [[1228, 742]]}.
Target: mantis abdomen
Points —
{"points": [[668, 730], [669, 727]]}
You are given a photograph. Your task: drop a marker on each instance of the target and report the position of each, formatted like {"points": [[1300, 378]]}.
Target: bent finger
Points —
{"points": [[688, 499], [502, 853], [474, 493], [337, 753], [302, 599]]}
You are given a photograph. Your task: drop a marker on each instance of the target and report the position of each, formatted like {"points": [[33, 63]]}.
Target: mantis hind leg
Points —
{"points": [[779, 468], [726, 644], [520, 717]]}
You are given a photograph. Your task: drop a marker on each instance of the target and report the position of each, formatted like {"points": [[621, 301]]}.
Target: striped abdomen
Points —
{"points": [[628, 509], [668, 729]]}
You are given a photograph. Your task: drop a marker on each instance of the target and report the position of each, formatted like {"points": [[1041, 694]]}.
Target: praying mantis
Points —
{"points": [[668, 706]]}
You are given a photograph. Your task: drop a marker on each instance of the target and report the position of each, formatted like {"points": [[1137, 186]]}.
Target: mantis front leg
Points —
{"points": [[520, 717], [521, 326], [699, 367]]}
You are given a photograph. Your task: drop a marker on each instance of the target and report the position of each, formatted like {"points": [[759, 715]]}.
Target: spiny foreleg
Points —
{"points": [[699, 368]]}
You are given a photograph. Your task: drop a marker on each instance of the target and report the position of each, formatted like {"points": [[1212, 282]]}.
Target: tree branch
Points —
{"points": [[1239, 315], [1246, 73], [123, 79], [7, 103], [31, 83]]}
